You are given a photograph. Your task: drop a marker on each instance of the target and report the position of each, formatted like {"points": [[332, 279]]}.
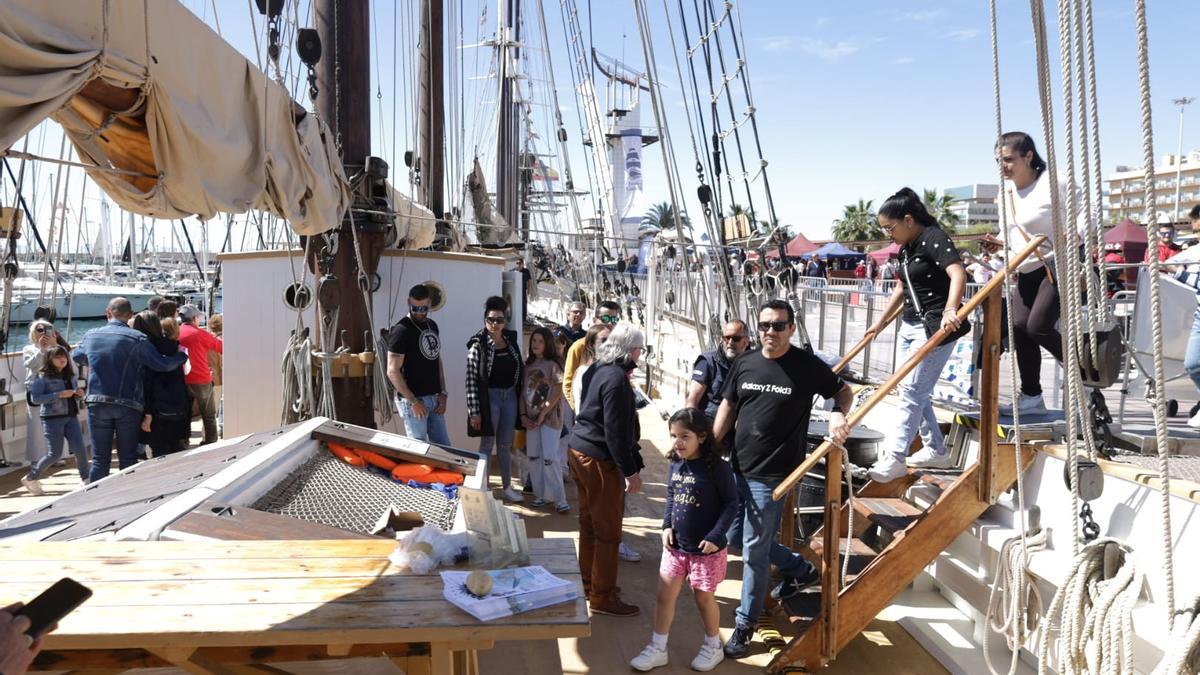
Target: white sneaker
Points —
{"points": [[887, 470], [928, 458], [511, 495], [651, 657], [708, 658], [628, 554], [1194, 420], [33, 485], [1028, 405]]}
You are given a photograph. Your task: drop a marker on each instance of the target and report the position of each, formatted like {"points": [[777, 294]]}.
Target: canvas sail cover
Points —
{"points": [[145, 86], [491, 227]]}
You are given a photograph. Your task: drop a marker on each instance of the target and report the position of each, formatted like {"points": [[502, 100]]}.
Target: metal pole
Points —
{"points": [[1182, 103]]}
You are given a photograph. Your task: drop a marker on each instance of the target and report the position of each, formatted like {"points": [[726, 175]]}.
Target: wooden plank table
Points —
{"points": [[223, 607]]}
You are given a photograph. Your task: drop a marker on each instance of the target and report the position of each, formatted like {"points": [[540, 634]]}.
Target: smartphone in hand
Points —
{"points": [[49, 607]]}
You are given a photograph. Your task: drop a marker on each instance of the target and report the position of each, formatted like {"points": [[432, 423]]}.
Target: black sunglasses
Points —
{"points": [[419, 309], [733, 338], [495, 319], [777, 326], [610, 319]]}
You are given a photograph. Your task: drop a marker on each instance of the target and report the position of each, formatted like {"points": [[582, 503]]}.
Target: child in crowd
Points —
{"points": [[701, 504], [541, 415], [56, 391]]}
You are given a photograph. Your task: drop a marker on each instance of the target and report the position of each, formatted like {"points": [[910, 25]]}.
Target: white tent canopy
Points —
{"points": [[146, 87]]}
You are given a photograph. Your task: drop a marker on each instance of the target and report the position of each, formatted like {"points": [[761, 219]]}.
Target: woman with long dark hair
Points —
{"points": [[167, 415], [495, 375], [1036, 308], [930, 285]]}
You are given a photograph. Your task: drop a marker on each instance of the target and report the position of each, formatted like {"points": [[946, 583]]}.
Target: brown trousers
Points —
{"points": [[601, 490]]}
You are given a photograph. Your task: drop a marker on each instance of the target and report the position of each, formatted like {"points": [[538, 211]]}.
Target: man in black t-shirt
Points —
{"points": [[768, 396], [415, 370]]}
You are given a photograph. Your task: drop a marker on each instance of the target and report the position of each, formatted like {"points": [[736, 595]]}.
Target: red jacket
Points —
{"points": [[198, 343]]}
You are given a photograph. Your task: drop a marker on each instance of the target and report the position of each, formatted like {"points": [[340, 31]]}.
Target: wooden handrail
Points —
{"points": [[886, 388]]}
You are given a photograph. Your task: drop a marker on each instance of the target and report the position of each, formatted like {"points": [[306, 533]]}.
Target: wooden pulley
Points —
{"points": [[1111, 351], [329, 293], [1091, 479]]}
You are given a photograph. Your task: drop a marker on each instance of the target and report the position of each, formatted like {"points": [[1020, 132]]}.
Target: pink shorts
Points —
{"points": [[704, 572]]}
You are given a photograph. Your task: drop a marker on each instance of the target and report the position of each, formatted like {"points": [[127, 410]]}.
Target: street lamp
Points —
{"points": [[1182, 103]]}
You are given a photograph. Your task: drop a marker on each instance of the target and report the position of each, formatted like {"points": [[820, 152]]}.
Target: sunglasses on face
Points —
{"points": [[768, 326], [610, 319], [733, 338], [419, 309], [495, 319]]}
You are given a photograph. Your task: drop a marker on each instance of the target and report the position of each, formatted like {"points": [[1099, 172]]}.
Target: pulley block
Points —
{"points": [[308, 46], [1111, 351], [1091, 479], [329, 293]]}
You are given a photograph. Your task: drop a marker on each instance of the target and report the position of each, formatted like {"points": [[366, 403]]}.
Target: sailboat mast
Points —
{"points": [[432, 122], [508, 136], [344, 101]]}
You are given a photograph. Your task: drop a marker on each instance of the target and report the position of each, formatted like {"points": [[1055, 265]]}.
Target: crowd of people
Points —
{"points": [[138, 378]]}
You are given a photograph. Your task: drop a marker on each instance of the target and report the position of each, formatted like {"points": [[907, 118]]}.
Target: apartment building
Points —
{"points": [[1126, 189], [974, 204]]}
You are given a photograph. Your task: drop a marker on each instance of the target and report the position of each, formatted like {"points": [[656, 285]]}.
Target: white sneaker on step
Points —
{"points": [[1028, 405], [887, 470], [928, 458], [34, 486], [651, 657], [1194, 420], [708, 658], [512, 495]]}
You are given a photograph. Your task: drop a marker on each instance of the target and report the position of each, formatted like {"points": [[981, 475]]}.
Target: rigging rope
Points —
{"points": [[1160, 396]]}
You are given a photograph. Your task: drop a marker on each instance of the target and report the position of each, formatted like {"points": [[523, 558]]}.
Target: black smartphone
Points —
{"points": [[52, 604]]}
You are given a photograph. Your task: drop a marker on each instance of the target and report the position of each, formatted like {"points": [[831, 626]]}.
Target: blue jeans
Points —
{"points": [[754, 530], [105, 420], [503, 406], [55, 430], [1191, 358], [916, 394], [431, 428]]}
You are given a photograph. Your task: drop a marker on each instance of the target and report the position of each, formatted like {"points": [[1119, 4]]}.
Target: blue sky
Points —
{"points": [[854, 99]]}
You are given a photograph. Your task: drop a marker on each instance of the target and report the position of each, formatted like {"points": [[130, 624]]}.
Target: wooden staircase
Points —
{"points": [[893, 539]]}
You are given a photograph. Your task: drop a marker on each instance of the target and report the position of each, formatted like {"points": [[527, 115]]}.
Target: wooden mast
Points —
{"points": [[508, 136], [344, 102], [432, 127]]}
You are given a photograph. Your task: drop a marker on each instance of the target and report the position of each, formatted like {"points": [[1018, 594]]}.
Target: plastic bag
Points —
{"points": [[425, 548]]}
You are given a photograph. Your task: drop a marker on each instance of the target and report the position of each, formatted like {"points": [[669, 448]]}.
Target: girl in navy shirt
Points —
{"points": [[701, 504]]}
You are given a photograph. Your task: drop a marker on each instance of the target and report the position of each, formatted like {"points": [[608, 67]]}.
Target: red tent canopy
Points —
{"points": [[1131, 237], [883, 254], [798, 246]]}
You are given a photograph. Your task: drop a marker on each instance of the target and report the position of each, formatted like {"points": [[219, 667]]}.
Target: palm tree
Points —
{"points": [[858, 223], [660, 217], [939, 208]]}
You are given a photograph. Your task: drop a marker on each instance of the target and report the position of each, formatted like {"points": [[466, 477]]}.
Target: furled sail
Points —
{"points": [[149, 89], [416, 225], [492, 228]]}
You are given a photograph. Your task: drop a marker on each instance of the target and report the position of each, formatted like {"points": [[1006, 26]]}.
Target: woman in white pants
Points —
{"points": [[540, 412]]}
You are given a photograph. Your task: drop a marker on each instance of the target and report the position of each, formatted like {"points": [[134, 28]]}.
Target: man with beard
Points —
{"points": [[415, 370], [711, 367]]}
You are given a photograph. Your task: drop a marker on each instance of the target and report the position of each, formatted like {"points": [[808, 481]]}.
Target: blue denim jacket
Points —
{"points": [[44, 392], [115, 355]]}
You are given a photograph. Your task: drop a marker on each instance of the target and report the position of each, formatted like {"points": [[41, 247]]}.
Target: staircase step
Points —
{"points": [[803, 609], [861, 554], [941, 478], [892, 515]]}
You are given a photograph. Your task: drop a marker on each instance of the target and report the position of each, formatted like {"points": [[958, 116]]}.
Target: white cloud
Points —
{"points": [[776, 44], [903, 61], [924, 16], [829, 51], [962, 34]]}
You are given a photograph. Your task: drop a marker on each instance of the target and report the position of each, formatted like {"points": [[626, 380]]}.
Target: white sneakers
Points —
{"points": [[928, 458], [33, 485], [511, 495], [1194, 420], [887, 470], [1028, 405], [652, 657], [628, 554], [708, 658]]}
